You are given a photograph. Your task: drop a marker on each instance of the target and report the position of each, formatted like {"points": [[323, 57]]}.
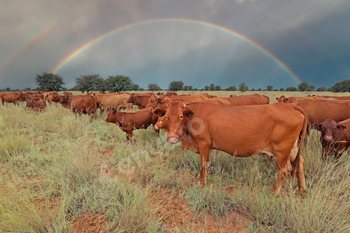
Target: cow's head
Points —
{"points": [[131, 99], [328, 129], [173, 120], [282, 99]]}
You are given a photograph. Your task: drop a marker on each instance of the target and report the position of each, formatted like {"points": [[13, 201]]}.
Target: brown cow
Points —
{"points": [[64, 100], [67, 93], [292, 99], [154, 101], [113, 101], [34, 97], [11, 97], [36, 105], [127, 121], [335, 136], [84, 104], [140, 100], [239, 131], [318, 110], [255, 99]]}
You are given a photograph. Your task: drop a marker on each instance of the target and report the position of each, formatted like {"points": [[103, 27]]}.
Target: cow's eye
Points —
{"points": [[181, 117], [165, 118]]}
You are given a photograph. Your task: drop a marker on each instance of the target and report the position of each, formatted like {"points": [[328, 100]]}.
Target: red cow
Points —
{"points": [[255, 99], [36, 105], [11, 97], [84, 104], [140, 100], [127, 121], [240, 131], [318, 110], [335, 136]]}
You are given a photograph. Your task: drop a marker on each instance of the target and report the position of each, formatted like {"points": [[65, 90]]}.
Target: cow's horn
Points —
{"points": [[184, 105]]}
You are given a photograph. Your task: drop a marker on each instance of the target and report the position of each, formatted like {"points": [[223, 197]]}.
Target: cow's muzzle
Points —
{"points": [[173, 139], [328, 138]]}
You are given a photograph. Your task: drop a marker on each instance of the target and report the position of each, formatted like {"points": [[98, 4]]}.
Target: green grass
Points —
{"points": [[55, 166]]}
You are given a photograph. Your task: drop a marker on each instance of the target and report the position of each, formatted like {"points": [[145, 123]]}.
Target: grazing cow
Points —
{"points": [[318, 110], [47, 93], [127, 121], [154, 101], [34, 97], [84, 104], [11, 97], [170, 93], [67, 93], [335, 136], [113, 101], [64, 100], [36, 105], [140, 100], [241, 131]]}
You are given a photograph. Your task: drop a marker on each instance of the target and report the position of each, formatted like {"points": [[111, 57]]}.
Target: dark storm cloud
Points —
{"points": [[311, 38]]}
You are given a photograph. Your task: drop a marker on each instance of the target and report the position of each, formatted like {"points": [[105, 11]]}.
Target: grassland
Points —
{"points": [[61, 173]]}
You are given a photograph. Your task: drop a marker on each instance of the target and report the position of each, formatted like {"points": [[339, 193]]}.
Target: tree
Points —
{"points": [[154, 87], [90, 83], [311, 88], [185, 88], [231, 88], [321, 89], [342, 86], [242, 87], [119, 83], [269, 88], [282, 89], [217, 88], [176, 86], [49, 82], [135, 87], [291, 89], [206, 88], [212, 87]]}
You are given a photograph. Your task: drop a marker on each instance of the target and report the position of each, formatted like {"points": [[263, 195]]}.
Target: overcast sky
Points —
{"points": [[225, 42]]}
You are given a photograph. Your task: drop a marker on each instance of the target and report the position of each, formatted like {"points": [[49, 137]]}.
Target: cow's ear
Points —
{"points": [[188, 112], [317, 126], [159, 112], [341, 127]]}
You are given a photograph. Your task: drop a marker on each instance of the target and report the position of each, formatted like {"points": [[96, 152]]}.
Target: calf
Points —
{"points": [[335, 136], [127, 121], [36, 105]]}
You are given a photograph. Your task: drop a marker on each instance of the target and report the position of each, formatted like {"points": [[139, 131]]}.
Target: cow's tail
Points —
{"points": [[296, 163], [94, 107]]}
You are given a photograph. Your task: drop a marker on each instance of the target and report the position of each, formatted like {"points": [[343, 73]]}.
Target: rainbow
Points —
{"points": [[244, 38], [41, 33]]}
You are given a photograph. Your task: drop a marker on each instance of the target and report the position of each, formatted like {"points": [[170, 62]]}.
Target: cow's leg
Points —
{"points": [[130, 107], [204, 156], [157, 132], [129, 136], [2, 101], [282, 168]]}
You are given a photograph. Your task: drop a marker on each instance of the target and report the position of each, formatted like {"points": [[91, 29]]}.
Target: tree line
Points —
{"points": [[118, 83]]}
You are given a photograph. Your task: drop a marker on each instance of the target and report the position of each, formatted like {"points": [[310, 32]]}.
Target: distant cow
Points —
{"points": [[239, 131], [127, 121], [11, 97], [242, 100], [36, 105], [140, 100], [154, 100], [335, 136], [113, 101], [84, 104]]}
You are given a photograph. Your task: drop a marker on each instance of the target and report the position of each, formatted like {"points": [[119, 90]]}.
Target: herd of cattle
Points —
{"points": [[239, 125]]}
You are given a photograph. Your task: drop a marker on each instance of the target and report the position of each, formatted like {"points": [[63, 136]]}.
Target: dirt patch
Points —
{"points": [[90, 222], [175, 213]]}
